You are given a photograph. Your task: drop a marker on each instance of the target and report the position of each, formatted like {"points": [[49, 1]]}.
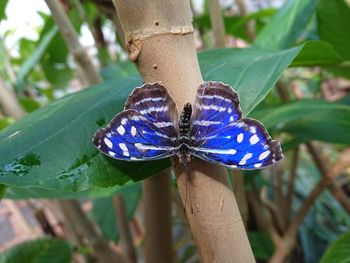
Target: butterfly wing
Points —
{"points": [[244, 145], [154, 103], [216, 105], [145, 130], [220, 135]]}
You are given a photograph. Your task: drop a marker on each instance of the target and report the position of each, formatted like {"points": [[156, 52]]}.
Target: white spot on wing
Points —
{"points": [[108, 143], [246, 157], [144, 147], [229, 110], [133, 131], [231, 119], [150, 99], [240, 137], [111, 153], [210, 107], [254, 139], [125, 149], [252, 129], [257, 165], [121, 130], [264, 155], [163, 124], [219, 151], [206, 123], [124, 121]]}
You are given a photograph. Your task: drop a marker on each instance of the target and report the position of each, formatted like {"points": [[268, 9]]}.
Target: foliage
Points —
{"points": [[338, 251], [39, 251]]}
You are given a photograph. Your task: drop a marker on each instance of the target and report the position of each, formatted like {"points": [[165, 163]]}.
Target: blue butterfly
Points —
{"points": [[149, 128]]}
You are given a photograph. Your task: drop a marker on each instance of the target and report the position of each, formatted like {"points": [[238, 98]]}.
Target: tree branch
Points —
{"points": [[217, 23], [160, 41], [124, 228], [70, 36]]}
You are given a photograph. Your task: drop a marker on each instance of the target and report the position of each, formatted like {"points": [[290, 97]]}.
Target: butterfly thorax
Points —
{"points": [[184, 133]]}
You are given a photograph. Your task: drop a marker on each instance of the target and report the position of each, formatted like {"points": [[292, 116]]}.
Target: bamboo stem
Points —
{"points": [[217, 23], [70, 36], [160, 40], [238, 189], [124, 228]]}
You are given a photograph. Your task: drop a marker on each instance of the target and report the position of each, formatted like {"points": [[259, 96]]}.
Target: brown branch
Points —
{"points": [[238, 189], [124, 228], [157, 202], [70, 36], [291, 183], [217, 23], [249, 26], [85, 230], [322, 164], [160, 41], [288, 242], [9, 103], [262, 217]]}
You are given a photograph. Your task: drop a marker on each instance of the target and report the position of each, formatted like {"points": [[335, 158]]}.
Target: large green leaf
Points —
{"points": [[51, 148], [39, 251], [333, 25], [104, 214], [252, 72], [286, 26], [310, 120], [339, 251]]}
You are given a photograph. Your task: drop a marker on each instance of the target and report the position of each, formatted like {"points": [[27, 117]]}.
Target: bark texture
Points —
{"points": [[160, 41]]}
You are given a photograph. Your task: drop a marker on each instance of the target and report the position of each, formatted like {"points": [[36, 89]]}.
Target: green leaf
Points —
{"points": [[39, 251], [3, 4], [29, 104], [4, 122], [252, 72], [3, 189], [104, 214], [333, 25], [51, 148], [31, 62], [317, 53], [286, 26], [310, 120], [261, 244], [339, 251]]}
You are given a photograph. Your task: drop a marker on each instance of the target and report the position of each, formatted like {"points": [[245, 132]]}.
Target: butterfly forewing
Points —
{"points": [[144, 130], [216, 105], [154, 103], [223, 137]]}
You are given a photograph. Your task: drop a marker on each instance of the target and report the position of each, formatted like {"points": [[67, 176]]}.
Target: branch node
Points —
{"points": [[134, 48]]}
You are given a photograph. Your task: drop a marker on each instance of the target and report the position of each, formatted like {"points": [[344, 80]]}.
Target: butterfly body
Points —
{"points": [[213, 130]]}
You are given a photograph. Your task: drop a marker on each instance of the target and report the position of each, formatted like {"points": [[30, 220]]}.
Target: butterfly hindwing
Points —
{"points": [[216, 105], [132, 137], [244, 144]]}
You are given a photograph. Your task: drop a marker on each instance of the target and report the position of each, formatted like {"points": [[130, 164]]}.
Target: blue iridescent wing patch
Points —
{"points": [[145, 130], [216, 106], [223, 137]]}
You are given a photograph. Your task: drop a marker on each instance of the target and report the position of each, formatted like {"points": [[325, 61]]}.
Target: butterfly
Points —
{"points": [[213, 130]]}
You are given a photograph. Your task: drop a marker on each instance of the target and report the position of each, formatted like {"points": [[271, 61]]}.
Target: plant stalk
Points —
{"points": [[71, 38], [160, 41]]}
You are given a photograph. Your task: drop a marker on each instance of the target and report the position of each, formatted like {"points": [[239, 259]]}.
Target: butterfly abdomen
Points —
{"points": [[184, 123]]}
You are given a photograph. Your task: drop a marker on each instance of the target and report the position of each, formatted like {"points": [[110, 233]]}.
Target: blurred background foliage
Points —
{"points": [[290, 63]]}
